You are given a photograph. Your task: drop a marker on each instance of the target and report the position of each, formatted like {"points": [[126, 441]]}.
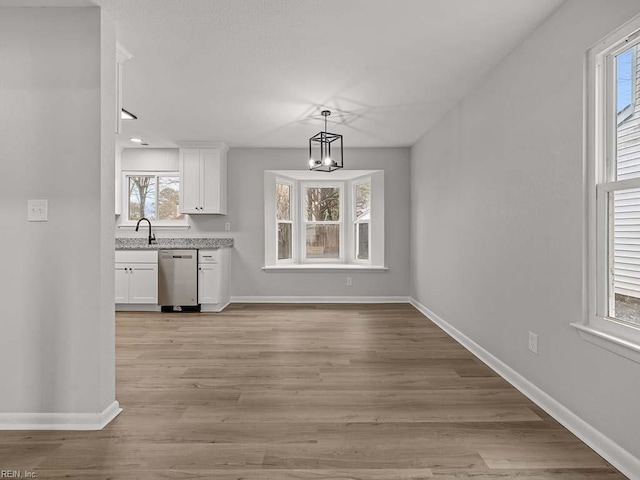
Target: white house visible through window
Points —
{"points": [[613, 145], [625, 83], [155, 197], [362, 218], [324, 220], [622, 207]]}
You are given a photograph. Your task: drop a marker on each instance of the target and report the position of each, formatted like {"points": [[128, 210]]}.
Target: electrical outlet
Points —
{"points": [[227, 226], [349, 281], [533, 342], [37, 210]]}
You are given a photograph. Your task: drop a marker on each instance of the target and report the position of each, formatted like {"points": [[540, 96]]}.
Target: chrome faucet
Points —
{"points": [[152, 238]]}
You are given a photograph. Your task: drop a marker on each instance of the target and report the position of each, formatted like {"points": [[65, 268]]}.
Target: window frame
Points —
{"points": [[600, 142], [354, 220], [125, 220], [292, 218], [302, 233]]}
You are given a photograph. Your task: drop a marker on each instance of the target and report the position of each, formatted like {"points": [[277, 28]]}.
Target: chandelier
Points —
{"points": [[325, 149]]}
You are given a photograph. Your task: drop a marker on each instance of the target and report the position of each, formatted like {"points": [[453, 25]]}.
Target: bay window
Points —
{"points": [[317, 220]]}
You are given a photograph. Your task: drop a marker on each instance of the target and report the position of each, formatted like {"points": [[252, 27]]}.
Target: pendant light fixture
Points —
{"points": [[325, 149]]}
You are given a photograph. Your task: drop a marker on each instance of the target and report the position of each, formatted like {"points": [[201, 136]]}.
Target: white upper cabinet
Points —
{"points": [[190, 181], [203, 185]]}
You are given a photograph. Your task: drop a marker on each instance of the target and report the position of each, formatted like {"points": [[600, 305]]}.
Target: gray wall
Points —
{"points": [[246, 215], [56, 280], [497, 219]]}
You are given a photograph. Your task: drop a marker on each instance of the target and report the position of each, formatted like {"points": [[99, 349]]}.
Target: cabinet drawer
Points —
{"points": [[136, 256], [208, 256]]}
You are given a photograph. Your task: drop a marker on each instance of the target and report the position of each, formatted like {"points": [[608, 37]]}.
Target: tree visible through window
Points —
{"points": [[284, 220], [322, 219], [154, 197]]}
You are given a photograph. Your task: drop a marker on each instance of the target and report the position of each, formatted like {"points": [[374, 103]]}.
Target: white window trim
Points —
{"points": [[127, 224], [600, 124], [346, 178]]}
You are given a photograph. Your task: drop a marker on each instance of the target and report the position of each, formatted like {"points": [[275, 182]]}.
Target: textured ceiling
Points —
{"points": [[257, 72]]}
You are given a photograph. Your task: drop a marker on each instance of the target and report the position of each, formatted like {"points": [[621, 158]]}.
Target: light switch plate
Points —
{"points": [[37, 210]]}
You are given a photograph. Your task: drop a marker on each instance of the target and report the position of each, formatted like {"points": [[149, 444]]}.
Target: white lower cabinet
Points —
{"points": [[213, 279], [209, 284], [136, 277]]}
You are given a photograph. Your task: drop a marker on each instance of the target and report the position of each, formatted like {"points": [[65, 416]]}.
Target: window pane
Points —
{"points": [[284, 241], [363, 201], [627, 121], [624, 69], [323, 241], [362, 241], [322, 204], [283, 201], [142, 197], [169, 198], [625, 302]]}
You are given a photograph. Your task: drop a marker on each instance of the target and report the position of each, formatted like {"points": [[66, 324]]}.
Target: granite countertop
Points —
{"points": [[173, 243]]}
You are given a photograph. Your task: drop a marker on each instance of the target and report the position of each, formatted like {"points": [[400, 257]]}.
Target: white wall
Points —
{"points": [[246, 168], [497, 220], [56, 280]]}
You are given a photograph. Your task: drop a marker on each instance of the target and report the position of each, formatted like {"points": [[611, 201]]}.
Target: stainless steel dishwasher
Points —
{"points": [[178, 277]]}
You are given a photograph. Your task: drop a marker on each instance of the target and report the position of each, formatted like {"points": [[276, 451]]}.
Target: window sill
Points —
{"points": [[324, 267], [614, 344]]}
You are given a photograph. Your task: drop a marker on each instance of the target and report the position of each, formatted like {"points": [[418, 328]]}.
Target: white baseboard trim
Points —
{"points": [[137, 307], [603, 445], [336, 299], [59, 421], [208, 308]]}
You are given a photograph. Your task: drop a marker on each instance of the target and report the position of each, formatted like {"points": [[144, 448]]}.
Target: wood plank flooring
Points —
{"points": [[358, 392]]}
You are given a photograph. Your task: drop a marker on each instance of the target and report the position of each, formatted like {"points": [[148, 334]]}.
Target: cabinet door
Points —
{"points": [[210, 185], [190, 181], [122, 283], [209, 283], [143, 283]]}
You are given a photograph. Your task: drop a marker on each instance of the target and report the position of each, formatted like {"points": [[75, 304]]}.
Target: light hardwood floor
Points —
{"points": [[371, 392]]}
